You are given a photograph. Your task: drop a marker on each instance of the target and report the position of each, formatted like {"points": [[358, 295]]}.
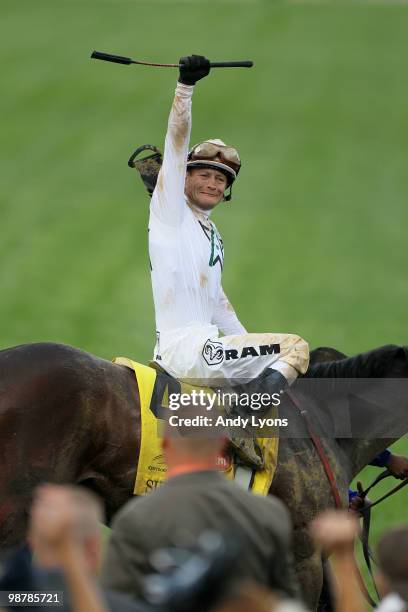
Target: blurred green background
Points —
{"points": [[315, 235]]}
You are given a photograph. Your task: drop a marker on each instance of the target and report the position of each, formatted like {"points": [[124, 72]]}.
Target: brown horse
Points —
{"points": [[69, 417]]}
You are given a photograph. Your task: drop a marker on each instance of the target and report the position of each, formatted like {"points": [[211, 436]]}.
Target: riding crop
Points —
{"points": [[119, 59]]}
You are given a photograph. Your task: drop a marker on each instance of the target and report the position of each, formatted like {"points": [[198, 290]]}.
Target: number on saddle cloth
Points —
{"points": [[148, 167], [167, 387], [164, 386]]}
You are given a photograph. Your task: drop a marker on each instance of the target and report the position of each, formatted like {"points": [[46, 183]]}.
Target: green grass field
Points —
{"points": [[316, 234]]}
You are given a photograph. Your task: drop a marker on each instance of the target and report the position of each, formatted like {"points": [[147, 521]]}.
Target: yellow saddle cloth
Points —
{"points": [[152, 469]]}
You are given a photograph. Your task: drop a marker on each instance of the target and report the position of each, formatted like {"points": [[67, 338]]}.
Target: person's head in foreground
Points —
{"points": [[64, 515], [392, 553], [186, 449], [212, 167]]}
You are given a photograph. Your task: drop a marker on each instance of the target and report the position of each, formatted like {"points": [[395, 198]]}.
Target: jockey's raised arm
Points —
{"points": [[168, 201]]}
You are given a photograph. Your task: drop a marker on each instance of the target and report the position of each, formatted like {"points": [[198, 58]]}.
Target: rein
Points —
{"points": [[320, 451], [385, 474]]}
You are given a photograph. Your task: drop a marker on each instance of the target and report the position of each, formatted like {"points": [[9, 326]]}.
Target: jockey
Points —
{"points": [[187, 258]]}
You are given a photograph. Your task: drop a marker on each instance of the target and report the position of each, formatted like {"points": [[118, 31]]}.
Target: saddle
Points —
{"points": [[250, 462]]}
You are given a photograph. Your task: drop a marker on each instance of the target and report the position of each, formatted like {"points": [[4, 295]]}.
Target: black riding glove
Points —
{"points": [[193, 68]]}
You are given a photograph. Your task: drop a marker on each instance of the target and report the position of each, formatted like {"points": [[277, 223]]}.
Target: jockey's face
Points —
{"points": [[205, 187]]}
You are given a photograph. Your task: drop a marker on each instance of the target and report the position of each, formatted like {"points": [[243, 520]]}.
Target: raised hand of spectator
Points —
{"points": [[59, 526], [53, 523], [334, 530]]}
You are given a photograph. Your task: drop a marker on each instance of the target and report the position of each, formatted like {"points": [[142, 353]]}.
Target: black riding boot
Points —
{"points": [[270, 382]]}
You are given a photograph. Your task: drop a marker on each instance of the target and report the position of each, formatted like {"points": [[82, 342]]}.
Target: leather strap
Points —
{"points": [[320, 451]]}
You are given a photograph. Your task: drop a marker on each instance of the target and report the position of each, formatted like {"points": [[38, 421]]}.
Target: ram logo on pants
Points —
{"points": [[213, 352]]}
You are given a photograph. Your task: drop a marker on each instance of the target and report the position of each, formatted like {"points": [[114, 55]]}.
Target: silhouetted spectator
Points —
{"points": [[195, 498]]}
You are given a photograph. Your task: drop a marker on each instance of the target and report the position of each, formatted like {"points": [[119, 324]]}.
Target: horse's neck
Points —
{"points": [[378, 416], [361, 417], [366, 423]]}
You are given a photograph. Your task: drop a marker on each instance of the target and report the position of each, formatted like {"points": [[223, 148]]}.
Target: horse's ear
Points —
{"points": [[148, 167], [325, 353]]}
